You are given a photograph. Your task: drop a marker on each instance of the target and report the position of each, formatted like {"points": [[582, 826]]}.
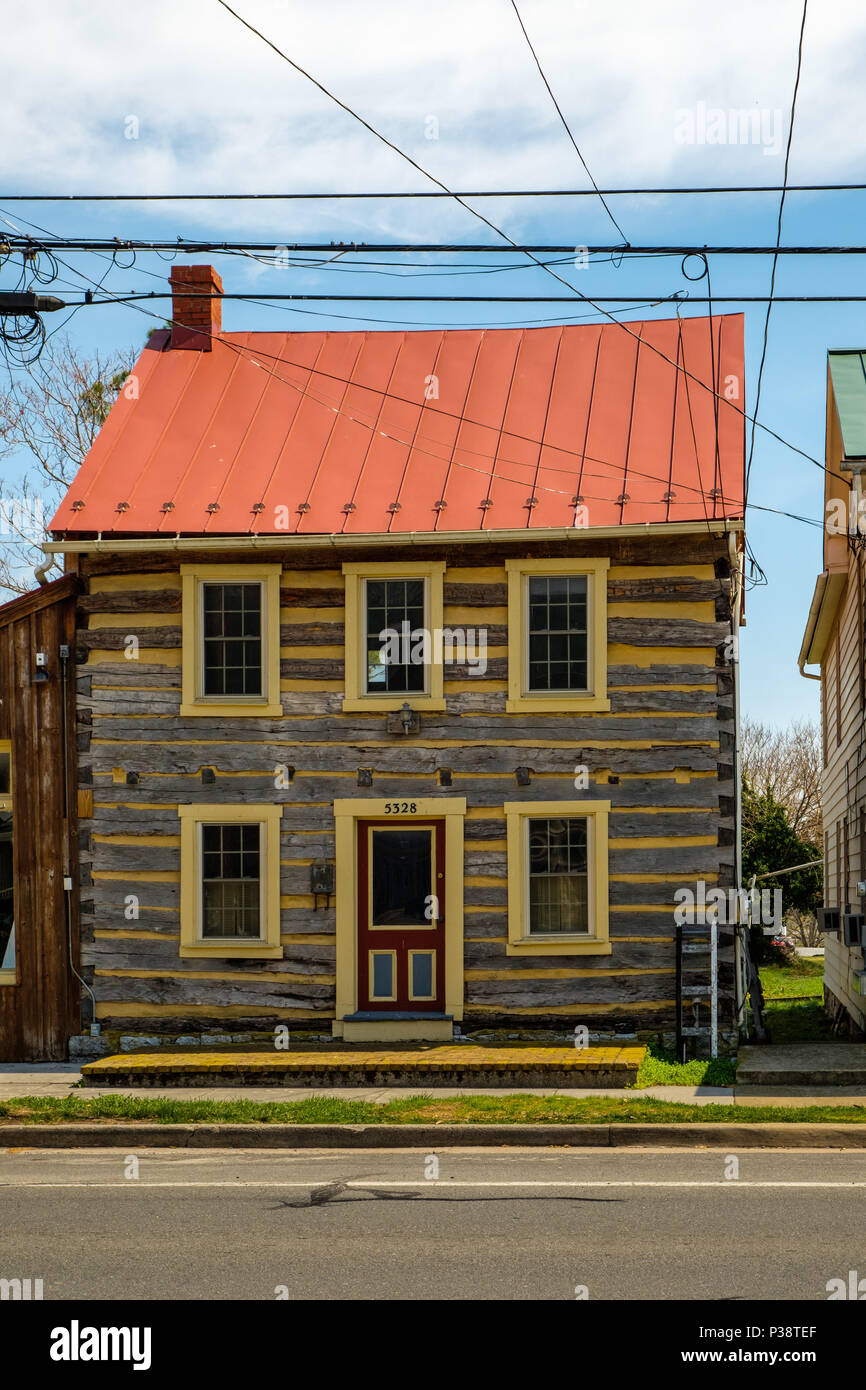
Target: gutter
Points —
{"points": [[829, 588], [114, 545]]}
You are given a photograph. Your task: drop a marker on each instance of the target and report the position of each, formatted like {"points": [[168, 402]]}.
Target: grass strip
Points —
{"points": [[420, 1109]]}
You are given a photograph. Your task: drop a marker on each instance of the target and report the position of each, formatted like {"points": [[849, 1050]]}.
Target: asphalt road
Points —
{"points": [[493, 1224]]}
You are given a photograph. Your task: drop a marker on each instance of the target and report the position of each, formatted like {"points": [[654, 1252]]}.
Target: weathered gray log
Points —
{"points": [[371, 728], [132, 601], [665, 632], [165, 989], [135, 954], [696, 674], [662, 589], [586, 989], [135, 674], [114, 639], [493, 792], [689, 860], [490, 955]]}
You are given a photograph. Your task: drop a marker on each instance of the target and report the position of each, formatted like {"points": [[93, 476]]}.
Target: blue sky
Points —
{"points": [[214, 110]]}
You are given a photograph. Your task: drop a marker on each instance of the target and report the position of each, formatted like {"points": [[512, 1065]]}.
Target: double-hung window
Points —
{"points": [[558, 877], [231, 639], [230, 881], [394, 636], [557, 635]]}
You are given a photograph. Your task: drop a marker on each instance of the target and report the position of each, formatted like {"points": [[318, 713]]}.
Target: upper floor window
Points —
{"points": [[558, 656], [231, 639], [395, 613], [394, 635], [557, 635]]}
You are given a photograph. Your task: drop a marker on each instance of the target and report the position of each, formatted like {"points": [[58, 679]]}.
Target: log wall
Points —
{"points": [[663, 756]]}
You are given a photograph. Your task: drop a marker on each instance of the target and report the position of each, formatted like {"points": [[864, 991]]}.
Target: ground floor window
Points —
{"points": [[558, 878], [230, 881]]}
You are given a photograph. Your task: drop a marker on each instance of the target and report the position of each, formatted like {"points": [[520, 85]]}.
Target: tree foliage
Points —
{"points": [[770, 843]]}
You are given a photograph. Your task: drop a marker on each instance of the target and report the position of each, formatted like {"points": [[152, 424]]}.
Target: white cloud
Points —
{"points": [[219, 111]]}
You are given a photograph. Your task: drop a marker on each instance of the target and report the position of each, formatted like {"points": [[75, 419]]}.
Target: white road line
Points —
{"points": [[432, 1184]]}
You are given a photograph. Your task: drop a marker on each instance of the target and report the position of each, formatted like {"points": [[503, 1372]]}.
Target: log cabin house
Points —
{"points": [[835, 640], [404, 684]]}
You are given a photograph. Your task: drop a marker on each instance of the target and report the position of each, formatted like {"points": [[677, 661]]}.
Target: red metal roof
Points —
{"points": [[457, 430]]}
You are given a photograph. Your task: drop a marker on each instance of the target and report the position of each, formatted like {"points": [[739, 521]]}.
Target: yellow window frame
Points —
{"points": [[520, 699], [8, 977], [191, 942], [193, 702], [356, 695], [520, 942]]}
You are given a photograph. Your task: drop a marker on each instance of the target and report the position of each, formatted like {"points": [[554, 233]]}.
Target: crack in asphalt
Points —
{"points": [[339, 1193]]}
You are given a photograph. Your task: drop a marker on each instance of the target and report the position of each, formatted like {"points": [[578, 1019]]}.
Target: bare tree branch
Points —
{"points": [[49, 415]]}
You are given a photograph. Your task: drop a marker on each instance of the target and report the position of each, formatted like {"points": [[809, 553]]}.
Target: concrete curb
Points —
{"points": [[277, 1136]]}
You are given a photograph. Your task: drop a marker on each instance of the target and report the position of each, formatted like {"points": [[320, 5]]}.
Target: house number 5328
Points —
{"points": [[400, 808]]}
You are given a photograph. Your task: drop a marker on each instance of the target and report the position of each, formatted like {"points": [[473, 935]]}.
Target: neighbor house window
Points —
{"points": [[231, 639], [8, 975], [230, 881], [557, 878], [393, 621], [557, 635]]}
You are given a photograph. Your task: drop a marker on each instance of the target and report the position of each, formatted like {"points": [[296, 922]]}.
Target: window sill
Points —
{"points": [[8, 977], [370, 704], [263, 710], [564, 946], [558, 704], [240, 951]]}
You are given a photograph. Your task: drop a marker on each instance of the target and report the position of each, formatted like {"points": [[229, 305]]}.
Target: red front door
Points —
{"points": [[401, 915]]}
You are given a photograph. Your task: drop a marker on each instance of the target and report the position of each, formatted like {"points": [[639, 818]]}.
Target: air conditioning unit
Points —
{"points": [[828, 919], [852, 928]]}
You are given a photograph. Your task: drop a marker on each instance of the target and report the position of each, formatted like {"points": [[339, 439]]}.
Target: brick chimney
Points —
{"points": [[195, 319]]}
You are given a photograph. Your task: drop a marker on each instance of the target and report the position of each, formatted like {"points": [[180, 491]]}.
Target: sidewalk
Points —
{"points": [[60, 1079]]}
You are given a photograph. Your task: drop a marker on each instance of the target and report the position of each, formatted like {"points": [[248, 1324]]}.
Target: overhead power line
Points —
{"points": [[681, 298], [305, 197], [198, 245], [778, 240], [568, 130], [479, 216]]}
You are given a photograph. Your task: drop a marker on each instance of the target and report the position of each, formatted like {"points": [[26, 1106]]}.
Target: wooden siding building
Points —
{"points": [[39, 995], [835, 640], [280, 825]]}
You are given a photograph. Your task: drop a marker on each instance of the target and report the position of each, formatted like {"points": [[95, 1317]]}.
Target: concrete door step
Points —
{"points": [[422, 1065], [803, 1064]]}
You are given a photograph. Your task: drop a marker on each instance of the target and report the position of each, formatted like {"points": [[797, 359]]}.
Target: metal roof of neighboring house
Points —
{"points": [[848, 375], [458, 430]]}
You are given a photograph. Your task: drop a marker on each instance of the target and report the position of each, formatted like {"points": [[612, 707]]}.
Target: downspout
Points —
{"points": [[41, 571]]}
